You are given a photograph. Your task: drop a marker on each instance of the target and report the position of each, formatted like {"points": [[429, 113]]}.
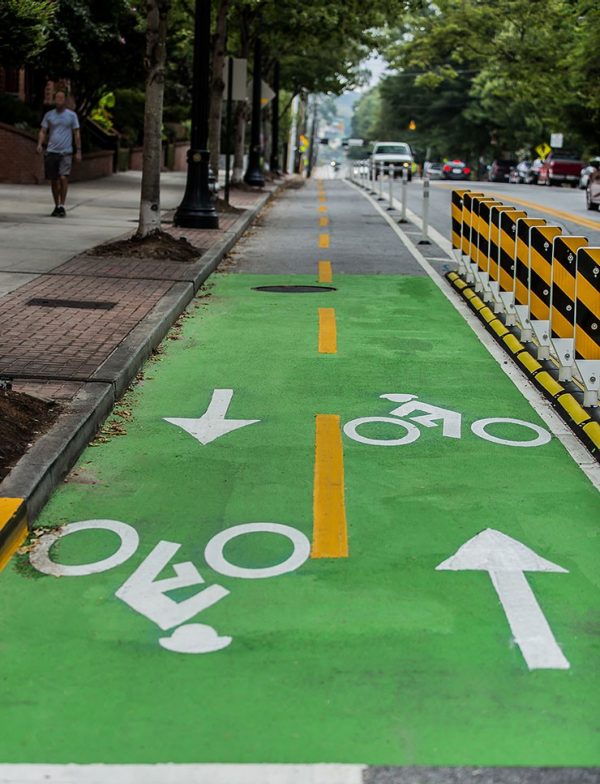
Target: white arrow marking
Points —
{"points": [[506, 559], [212, 424]]}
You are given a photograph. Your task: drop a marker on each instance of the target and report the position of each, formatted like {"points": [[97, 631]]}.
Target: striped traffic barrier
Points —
{"points": [[506, 261], [541, 253], [476, 204], [521, 274], [465, 257], [456, 220], [493, 286], [562, 302], [587, 322]]}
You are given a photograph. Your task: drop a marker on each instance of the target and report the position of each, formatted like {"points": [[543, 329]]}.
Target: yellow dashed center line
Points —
{"points": [[323, 240], [330, 529], [327, 331], [322, 208], [325, 272], [324, 221]]}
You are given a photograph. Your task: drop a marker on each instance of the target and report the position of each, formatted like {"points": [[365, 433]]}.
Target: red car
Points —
{"points": [[561, 167]]}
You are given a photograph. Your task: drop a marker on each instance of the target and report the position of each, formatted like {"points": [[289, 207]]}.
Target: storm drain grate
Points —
{"points": [[80, 304], [295, 289]]}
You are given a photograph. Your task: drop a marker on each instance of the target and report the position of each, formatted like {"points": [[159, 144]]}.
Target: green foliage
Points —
{"points": [[128, 115], [490, 77], [24, 29], [98, 44], [101, 113], [367, 114]]}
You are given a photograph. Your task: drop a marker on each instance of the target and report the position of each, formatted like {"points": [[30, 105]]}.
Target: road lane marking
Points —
{"points": [[324, 221], [322, 208], [13, 528], [327, 331], [178, 773], [568, 216], [323, 240], [322, 197], [325, 272], [330, 529]]}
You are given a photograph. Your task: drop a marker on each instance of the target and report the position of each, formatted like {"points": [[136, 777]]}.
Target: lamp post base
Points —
{"points": [[197, 210]]}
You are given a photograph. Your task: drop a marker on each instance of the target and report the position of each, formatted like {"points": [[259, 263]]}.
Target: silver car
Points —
{"points": [[584, 177]]}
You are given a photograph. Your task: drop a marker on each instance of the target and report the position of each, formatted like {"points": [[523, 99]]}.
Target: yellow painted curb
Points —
{"points": [[592, 431], [477, 302], [550, 384], [513, 344], [13, 528], [577, 413], [529, 362], [499, 328], [487, 314]]}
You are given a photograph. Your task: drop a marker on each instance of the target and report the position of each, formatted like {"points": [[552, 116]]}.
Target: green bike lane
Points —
{"points": [[377, 658]]}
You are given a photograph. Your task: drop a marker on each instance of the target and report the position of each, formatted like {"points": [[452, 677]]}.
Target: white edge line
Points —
{"points": [[182, 774], [538, 402]]}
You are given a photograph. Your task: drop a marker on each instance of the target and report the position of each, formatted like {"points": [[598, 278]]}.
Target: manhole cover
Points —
{"points": [[295, 289], [71, 303]]}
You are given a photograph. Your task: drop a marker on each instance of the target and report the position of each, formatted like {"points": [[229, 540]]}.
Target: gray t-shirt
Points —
{"points": [[60, 127]]}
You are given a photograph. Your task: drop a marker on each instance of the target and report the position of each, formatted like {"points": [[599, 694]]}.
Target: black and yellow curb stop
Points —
{"points": [[569, 409], [13, 527]]}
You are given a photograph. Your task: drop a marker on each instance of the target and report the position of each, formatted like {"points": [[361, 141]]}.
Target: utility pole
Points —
{"points": [[197, 210], [311, 149], [254, 175]]}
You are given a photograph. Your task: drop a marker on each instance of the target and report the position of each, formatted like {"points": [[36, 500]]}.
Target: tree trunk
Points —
{"points": [[217, 86], [241, 116], [156, 37]]}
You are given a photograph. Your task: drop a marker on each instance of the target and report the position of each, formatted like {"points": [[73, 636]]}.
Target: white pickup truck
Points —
{"points": [[397, 153]]}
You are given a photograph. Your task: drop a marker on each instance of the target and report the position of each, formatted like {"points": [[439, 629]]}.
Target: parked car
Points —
{"points": [[433, 170], [397, 153], [592, 191], [500, 169], [456, 170], [592, 166], [519, 174], [561, 166]]}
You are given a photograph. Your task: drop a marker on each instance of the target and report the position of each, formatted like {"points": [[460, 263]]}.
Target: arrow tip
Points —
{"points": [[493, 551]]}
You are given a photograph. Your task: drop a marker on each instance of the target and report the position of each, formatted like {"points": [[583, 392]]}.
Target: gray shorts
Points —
{"points": [[57, 165]]}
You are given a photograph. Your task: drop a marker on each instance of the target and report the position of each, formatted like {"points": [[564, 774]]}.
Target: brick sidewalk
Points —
{"points": [[50, 347]]}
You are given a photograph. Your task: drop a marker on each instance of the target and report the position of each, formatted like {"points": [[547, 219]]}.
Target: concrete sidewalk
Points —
{"points": [[31, 242], [76, 328]]}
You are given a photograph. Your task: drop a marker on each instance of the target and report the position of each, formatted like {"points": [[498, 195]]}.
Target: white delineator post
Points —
{"points": [[404, 194], [506, 560], [381, 171], [391, 175], [425, 224]]}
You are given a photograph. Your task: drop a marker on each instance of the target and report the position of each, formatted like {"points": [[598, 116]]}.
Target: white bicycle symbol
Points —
{"points": [[433, 416]]}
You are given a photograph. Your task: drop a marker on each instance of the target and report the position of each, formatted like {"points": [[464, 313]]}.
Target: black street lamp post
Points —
{"points": [[197, 210], [254, 175], [274, 162]]}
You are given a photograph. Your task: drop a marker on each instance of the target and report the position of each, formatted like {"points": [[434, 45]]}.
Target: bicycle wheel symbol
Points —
{"points": [[412, 431]]}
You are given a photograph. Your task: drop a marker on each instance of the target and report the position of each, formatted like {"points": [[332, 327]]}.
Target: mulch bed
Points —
{"points": [[22, 419], [161, 246]]}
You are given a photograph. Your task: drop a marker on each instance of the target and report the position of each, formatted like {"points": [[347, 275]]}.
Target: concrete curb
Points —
{"points": [[582, 421], [45, 465]]}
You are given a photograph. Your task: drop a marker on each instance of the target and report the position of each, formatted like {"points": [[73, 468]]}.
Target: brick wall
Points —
{"points": [[20, 163]]}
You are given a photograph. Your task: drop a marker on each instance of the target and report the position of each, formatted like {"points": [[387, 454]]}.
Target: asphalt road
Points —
{"points": [[564, 207]]}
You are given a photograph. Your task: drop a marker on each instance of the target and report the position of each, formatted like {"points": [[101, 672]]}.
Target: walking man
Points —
{"points": [[59, 126]]}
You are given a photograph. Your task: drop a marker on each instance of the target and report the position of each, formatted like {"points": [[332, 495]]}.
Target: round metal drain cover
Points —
{"points": [[295, 289]]}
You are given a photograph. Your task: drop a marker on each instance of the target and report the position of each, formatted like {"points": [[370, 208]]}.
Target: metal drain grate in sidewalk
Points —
{"points": [[71, 303]]}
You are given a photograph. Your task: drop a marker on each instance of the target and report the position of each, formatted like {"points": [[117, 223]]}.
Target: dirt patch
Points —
{"points": [[222, 206], [161, 246], [22, 419]]}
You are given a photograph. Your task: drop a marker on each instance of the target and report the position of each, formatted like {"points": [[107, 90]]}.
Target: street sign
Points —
{"points": [[543, 150], [556, 140], [240, 77]]}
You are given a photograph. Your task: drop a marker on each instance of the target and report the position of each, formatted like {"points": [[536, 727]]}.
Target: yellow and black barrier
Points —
{"points": [[13, 528], [528, 269]]}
